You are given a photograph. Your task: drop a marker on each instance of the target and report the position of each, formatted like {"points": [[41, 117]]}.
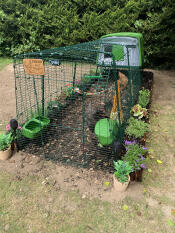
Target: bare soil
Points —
{"points": [[7, 94]]}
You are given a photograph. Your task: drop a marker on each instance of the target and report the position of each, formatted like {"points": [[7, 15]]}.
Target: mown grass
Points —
{"points": [[4, 61], [27, 205]]}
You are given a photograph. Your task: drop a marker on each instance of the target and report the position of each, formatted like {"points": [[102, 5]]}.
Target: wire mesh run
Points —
{"points": [[77, 110]]}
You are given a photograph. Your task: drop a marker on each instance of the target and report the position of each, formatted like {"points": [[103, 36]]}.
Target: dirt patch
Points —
{"points": [[90, 183], [7, 94]]}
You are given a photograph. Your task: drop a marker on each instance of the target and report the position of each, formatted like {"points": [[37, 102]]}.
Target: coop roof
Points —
{"points": [[83, 51], [135, 35], [125, 34]]}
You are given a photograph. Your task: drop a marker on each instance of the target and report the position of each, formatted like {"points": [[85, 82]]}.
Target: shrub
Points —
{"points": [[136, 128]]}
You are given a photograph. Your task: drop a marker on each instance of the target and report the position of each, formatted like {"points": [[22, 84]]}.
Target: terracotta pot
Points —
{"points": [[118, 186], [6, 154]]}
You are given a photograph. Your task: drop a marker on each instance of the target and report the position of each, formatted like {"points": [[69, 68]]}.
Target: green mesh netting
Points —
{"points": [[62, 110]]}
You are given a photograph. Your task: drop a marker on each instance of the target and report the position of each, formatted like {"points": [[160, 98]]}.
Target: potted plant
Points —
{"points": [[121, 176], [5, 146]]}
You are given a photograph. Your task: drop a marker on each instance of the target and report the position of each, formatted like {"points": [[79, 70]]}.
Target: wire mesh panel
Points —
{"points": [[71, 108]]}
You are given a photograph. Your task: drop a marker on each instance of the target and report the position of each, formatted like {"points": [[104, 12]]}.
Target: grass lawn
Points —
{"points": [[4, 61], [28, 205]]}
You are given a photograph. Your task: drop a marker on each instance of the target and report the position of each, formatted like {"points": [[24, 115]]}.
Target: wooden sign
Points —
{"points": [[34, 66]]}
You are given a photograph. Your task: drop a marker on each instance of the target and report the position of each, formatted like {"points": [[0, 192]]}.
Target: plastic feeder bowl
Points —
{"points": [[106, 131], [32, 128]]}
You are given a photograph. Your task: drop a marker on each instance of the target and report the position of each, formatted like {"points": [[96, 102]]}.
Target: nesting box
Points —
{"points": [[126, 49]]}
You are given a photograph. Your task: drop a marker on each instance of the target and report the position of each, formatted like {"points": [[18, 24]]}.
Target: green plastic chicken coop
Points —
{"points": [[126, 49]]}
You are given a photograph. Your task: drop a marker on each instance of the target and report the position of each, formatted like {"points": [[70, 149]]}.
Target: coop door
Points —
{"points": [[118, 52]]}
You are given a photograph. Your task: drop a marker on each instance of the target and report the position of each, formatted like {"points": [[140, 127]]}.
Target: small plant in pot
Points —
{"points": [[8, 140], [121, 176], [5, 146]]}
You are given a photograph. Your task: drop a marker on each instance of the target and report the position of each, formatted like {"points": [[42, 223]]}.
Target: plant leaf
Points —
{"points": [[159, 161], [125, 207], [149, 170], [173, 212], [107, 183], [100, 145], [170, 223]]}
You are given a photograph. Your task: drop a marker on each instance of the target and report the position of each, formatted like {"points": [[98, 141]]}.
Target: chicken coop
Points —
{"points": [[71, 105]]}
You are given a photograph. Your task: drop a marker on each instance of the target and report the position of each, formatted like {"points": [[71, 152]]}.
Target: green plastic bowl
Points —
{"points": [[32, 128], [106, 131]]}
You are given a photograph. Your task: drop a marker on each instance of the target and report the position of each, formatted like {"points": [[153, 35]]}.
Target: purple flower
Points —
{"points": [[144, 148], [143, 166], [141, 157], [129, 142]]}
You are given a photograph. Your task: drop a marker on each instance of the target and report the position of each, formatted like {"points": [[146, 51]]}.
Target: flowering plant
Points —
{"points": [[13, 129], [135, 155], [8, 128]]}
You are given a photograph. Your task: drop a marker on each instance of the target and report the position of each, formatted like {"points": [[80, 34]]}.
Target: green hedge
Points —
{"points": [[40, 24]]}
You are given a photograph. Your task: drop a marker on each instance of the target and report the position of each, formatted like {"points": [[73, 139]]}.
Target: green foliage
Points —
{"points": [[122, 170], [36, 25], [136, 128], [138, 111], [68, 91], [134, 156], [5, 141], [144, 97]]}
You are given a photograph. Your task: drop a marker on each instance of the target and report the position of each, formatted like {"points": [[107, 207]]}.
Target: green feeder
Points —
{"points": [[93, 76], [106, 131], [32, 128]]}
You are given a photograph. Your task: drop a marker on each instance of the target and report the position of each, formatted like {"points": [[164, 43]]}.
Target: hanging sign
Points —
{"points": [[34, 66], [55, 62]]}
